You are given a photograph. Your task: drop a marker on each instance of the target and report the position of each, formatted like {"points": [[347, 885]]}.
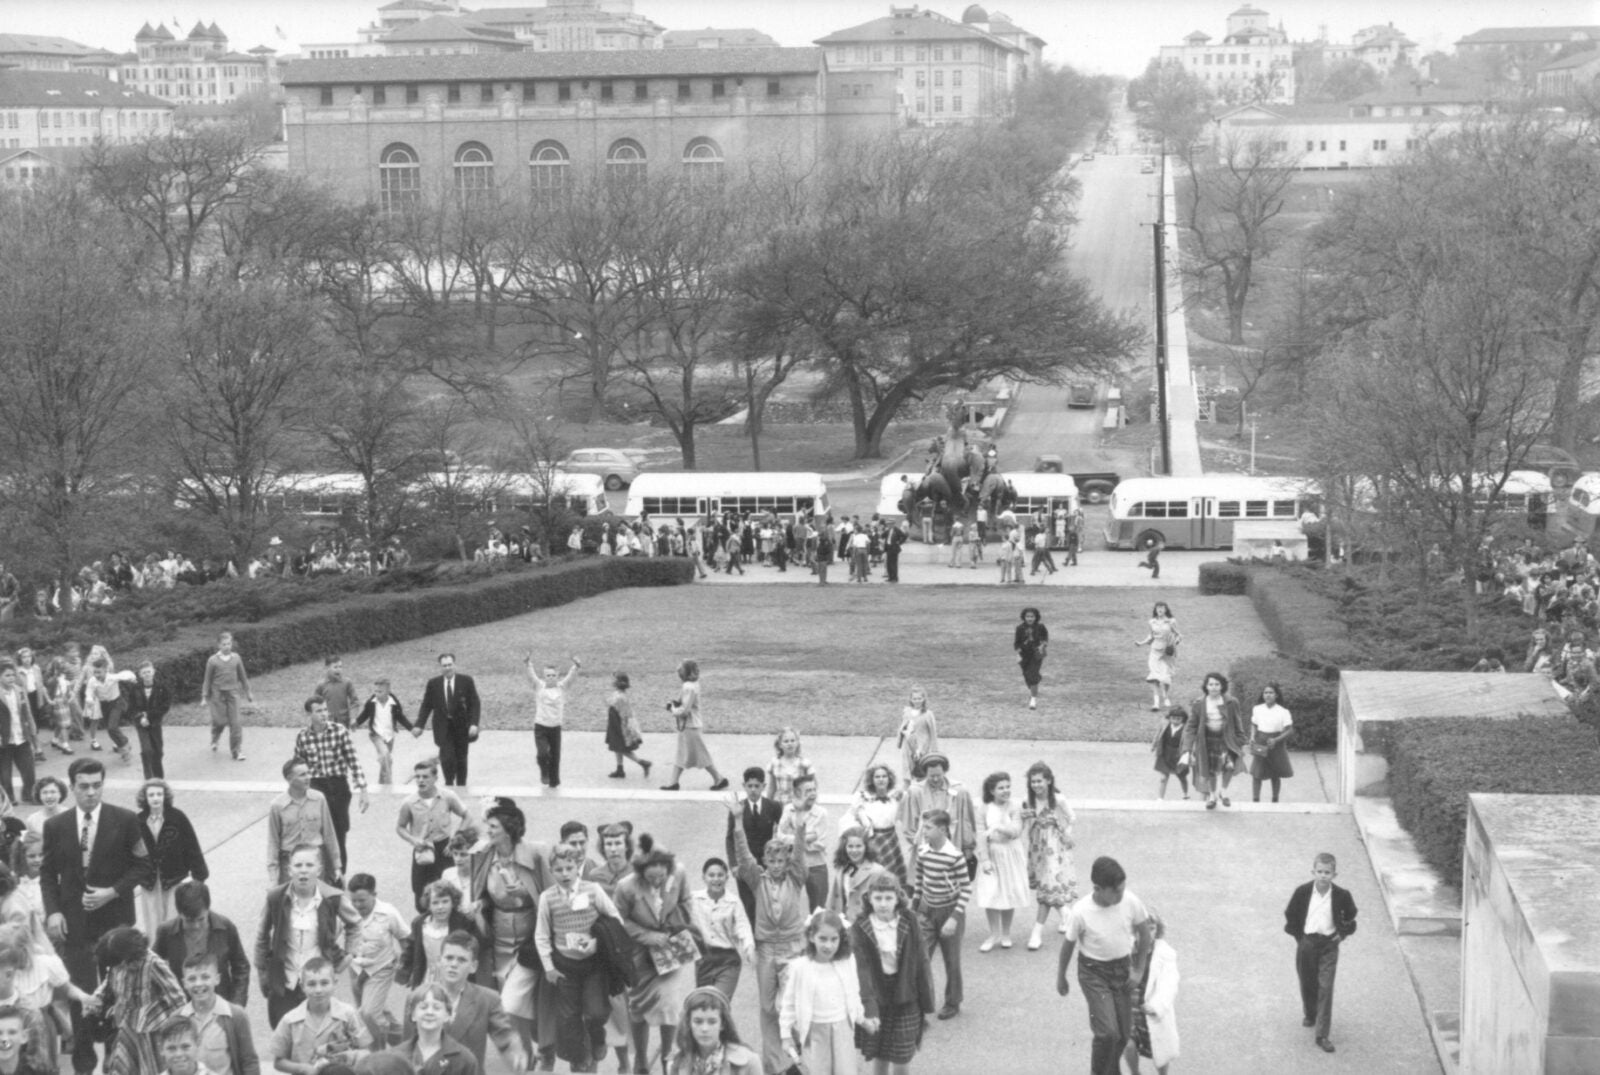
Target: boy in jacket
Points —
{"points": [[1320, 915]]}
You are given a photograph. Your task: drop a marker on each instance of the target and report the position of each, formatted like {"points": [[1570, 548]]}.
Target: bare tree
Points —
{"points": [[460, 494], [539, 450], [78, 366], [1231, 206]]}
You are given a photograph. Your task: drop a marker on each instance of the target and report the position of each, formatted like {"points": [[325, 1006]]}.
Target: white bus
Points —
{"points": [[692, 494], [1582, 508], [890, 490], [1199, 512], [1042, 492], [581, 494]]}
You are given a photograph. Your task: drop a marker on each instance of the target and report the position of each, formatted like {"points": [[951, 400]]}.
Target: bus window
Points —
{"points": [[1255, 509], [1227, 509], [1284, 509]]}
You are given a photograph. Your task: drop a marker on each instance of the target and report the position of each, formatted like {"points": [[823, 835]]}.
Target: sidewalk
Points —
{"points": [[1100, 567]]}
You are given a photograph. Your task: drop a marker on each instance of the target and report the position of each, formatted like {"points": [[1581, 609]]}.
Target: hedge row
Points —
{"points": [[1302, 622], [1224, 578], [1311, 696], [368, 620], [1434, 764]]}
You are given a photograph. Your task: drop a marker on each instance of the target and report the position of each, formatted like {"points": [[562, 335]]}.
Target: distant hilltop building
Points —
{"points": [[199, 69], [1382, 48], [554, 26], [48, 117], [711, 38], [1254, 61], [945, 72]]}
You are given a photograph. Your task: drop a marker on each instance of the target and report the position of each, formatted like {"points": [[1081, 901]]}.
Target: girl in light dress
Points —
{"points": [[919, 734], [787, 765], [1163, 639], [1270, 728], [877, 813], [692, 750], [1049, 841], [822, 1001], [1002, 884], [854, 867]]}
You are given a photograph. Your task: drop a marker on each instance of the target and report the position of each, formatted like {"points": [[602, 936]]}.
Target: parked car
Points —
{"points": [[1148, 166], [1080, 395], [615, 466], [1048, 464], [1089, 156]]}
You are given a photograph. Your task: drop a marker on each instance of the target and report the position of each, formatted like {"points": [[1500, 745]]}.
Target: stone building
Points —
{"points": [[1254, 61], [393, 129], [200, 69]]}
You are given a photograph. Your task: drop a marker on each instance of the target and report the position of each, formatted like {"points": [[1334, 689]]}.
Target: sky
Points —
{"points": [[1102, 36]]}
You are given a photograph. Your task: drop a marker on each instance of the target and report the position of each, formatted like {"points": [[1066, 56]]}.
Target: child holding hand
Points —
{"points": [[822, 1001]]}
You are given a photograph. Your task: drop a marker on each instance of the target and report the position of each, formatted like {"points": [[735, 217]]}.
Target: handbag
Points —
{"points": [[423, 856], [1171, 650]]}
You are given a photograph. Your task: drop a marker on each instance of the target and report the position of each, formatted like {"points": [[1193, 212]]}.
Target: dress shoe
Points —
{"points": [[949, 1011], [987, 945], [1308, 1021], [669, 787], [1325, 1045], [1036, 938], [721, 785]]}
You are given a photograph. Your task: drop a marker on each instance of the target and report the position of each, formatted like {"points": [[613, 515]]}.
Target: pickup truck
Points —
{"points": [[1094, 486]]}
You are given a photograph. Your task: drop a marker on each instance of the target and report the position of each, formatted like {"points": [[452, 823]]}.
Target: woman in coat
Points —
{"points": [[1031, 641], [174, 850], [653, 902], [1215, 739]]}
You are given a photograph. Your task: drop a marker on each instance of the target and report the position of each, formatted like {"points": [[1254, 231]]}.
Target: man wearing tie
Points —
{"points": [[759, 816], [94, 856], [453, 699]]}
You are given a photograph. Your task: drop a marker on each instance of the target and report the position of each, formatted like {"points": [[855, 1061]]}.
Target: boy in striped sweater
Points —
{"points": [[942, 885]]}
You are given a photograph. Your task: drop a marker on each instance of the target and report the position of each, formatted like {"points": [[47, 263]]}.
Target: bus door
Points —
{"points": [[1202, 522]]}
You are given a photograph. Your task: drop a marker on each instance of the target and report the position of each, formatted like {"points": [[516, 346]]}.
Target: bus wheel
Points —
{"points": [[613, 482], [1149, 538]]}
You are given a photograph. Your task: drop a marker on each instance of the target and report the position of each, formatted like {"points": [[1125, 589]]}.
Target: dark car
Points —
{"points": [[1049, 464], [1080, 395]]}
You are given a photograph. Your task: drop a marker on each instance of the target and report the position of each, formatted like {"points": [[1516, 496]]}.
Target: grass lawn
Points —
{"points": [[836, 662]]}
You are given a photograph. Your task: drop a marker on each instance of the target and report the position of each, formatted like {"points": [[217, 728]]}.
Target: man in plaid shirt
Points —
{"points": [[330, 752]]}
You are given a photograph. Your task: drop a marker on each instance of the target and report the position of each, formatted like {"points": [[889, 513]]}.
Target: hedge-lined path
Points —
{"points": [[1097, 775], [1221, 881], [836, 660]]}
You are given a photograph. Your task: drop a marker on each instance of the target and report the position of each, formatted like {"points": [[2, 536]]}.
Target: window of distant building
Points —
{"points": [[399, 178], [380, 95], [625, 163], [684, 89], [486, 93], [938, 54], [563, 91], [324, 95], [474, 171], [938, 104], [719, 88], [608, 91], [938, 79], [413, 93], [529, 92], [548, 168], [922, 79], [641, 90], [774, 87], [1341, 145], [955, 80], [922, 55], [877, 55], [702, 164], [955, 53], [899, 54], [955, 103], [452, 93], [1380, 144]]}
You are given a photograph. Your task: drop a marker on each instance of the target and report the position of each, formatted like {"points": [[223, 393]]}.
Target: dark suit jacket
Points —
{"points": [[272, 941], [463, 707], [152, 701], [1344, 912], [233, 966], [117, 860], [453, 1058], [759, 825], [28, 729], [478, 1018]]}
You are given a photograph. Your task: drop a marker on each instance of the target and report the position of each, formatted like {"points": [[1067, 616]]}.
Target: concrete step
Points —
{"points": [[1418, 901]]}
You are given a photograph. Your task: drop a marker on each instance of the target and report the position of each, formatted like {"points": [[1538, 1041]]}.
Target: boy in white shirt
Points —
{"points": [[807, 822], [1115, 935], [549, 712], [376, 945], [223, 1042], [324, 1030]]}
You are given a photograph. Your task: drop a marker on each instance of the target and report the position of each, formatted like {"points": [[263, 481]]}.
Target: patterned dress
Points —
{"points": [[1050, 868], [880, 817]]}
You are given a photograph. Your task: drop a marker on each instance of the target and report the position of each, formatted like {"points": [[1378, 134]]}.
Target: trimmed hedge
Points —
{"points": [[367, 620], [1224, 578], [1434, 764], [1312, 697], [1302, 622]]}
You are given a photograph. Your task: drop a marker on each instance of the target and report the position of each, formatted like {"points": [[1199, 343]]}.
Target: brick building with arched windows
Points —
{"points": [[393, 128]]}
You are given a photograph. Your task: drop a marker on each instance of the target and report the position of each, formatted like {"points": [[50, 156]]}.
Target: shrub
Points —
{"points": [[1435, 764], [1302, 622], [1221, 578], [1311, 696], [364, 620]]}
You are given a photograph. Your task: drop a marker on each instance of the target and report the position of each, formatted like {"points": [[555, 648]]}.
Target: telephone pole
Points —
{"points": [[1161, 314]]}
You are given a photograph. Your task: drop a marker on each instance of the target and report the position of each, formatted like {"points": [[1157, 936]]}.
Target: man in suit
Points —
{"points": [[148, 702], [760, 816], [453, 700], [94, 857], [17, 733], [478, 1014], [1319, 917], [891, 552]]}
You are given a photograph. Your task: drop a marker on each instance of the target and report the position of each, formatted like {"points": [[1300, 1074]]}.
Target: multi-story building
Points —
{"points": [[449, 35], [1571, 77], [555, 26], [1382, 48], [945, 72], [1254, 61], [38, 52], [1551, 39], [713, 38], [199, 69], [398, 129], [47, 115]]}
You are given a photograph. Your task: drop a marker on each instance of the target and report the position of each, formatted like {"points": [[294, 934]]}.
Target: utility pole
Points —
{"points": [[1162, 415]]}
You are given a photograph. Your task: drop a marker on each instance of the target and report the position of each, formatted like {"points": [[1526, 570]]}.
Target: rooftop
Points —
{"points": [[922, 26], [41, 45], [1530, 35], [631, 63], [740, 37], [449, 28], [1577, 59], [1427, 95], [60, 89]]}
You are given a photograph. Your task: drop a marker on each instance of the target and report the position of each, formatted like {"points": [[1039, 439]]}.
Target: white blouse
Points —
{"points": [[1271, 719]]}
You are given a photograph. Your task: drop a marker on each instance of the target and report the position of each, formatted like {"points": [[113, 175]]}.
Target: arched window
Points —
{"points": [[549, 166], [399, 178], [702, 164], [474, 170], [625, 163]]}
